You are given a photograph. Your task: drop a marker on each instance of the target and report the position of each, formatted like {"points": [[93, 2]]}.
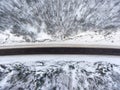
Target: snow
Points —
{"points": [[74, 23], [63, 19], [30, 28], [59, 71], [32, 58], [8, 37], [3, 83], [43, 36], [92, 38], [84, 39]]}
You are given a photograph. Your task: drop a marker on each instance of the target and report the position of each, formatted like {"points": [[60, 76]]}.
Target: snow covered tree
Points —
{"points": [[62, 18]]}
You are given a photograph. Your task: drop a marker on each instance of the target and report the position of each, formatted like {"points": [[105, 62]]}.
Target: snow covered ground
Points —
{"points": [[84, 39], [59, 72], [33, 58]]}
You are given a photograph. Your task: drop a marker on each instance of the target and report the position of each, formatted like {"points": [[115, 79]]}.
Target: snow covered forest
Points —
{"points": [[59, 72], [40, 20], [60, 75]]}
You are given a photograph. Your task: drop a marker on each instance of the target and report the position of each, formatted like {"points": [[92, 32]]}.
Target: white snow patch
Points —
{"points": [[4, 83], [43, 36], [8, 37], [92, 38], [29, 59], [83, 38]]}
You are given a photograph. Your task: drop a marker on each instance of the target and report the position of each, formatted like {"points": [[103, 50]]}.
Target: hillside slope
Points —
{"points": [[60, 75]]}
